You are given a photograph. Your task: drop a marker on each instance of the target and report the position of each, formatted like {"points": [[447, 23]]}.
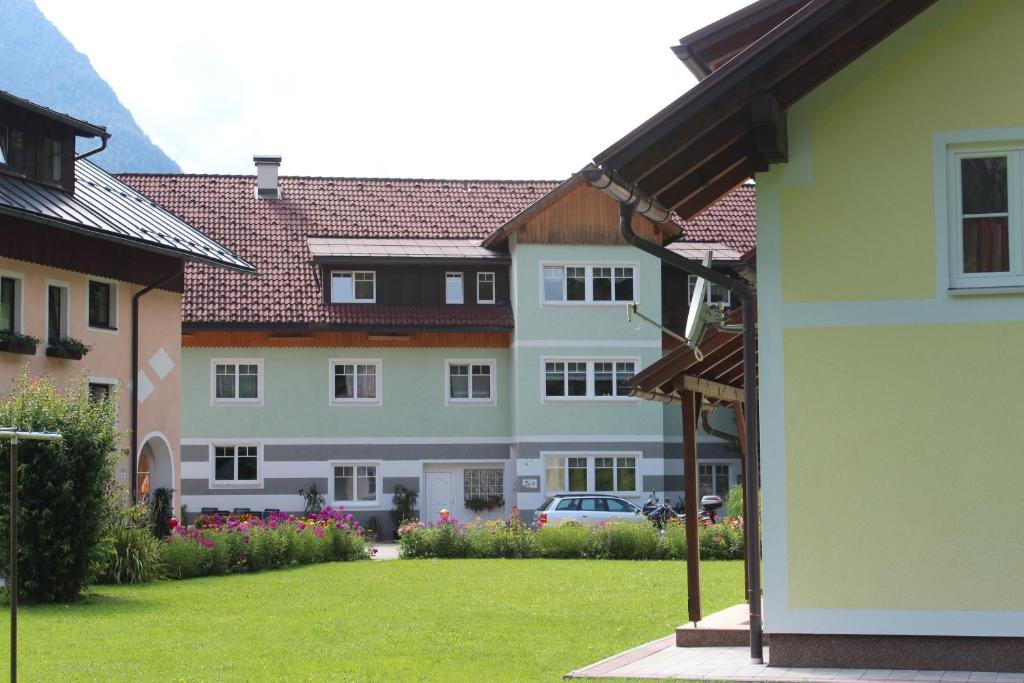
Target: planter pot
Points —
{"points": [[54, 352], [14, 347]]}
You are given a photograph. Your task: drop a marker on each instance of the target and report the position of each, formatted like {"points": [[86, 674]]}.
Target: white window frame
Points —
{"points": [[492, 400], [1015, 206], [376, 362], [19, 299], [591, 457], [65, 306], [115, 297], [590, 396], [691, 282], [734, 471], [461, 277], [588, 299], [236, 483], [354, 299], [261, 388], [494, 287], [375, 503]]}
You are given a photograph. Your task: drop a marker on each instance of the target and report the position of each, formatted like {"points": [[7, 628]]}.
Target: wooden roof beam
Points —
{"points": [[697, 202], [708, 388]]}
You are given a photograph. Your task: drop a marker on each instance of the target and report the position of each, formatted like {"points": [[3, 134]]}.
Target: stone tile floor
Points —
{"points": [[386, 551], [662, 660]]}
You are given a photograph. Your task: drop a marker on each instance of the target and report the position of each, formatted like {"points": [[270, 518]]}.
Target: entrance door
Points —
{"points": [[439, 493]]}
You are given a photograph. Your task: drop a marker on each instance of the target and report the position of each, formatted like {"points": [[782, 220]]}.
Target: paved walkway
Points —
{"points": [[386, 551], [662, 660]]}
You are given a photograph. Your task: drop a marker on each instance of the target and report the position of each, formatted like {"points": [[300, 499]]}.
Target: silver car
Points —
{"points": [[587, 509]]}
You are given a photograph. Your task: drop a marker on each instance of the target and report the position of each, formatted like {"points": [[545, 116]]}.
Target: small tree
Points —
{"points": [[63, 485]]}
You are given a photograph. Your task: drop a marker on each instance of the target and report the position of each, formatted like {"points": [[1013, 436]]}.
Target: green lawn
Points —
{"points": [[453, 620]]}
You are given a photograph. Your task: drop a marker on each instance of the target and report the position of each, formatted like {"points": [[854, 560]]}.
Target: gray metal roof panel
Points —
{"points": [[108, 208], [327, 247]]}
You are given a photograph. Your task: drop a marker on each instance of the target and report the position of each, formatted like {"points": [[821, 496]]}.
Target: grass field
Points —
{"points": [[453, 620]]}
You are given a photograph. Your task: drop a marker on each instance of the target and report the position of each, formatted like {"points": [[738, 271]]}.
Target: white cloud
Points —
{"points": [[531, 89]]}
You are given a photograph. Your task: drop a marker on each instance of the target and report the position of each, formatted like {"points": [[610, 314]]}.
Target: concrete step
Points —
{"points": [[728, 628]]}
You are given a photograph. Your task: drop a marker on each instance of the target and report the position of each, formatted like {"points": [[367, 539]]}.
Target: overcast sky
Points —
{"points": [[525, 89]]}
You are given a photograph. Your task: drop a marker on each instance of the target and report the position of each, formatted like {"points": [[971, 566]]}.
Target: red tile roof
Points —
{"points": [[732, 220], [271, 234]]}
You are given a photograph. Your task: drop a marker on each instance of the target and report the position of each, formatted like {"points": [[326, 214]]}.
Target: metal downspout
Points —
{"points": [[135, 376], [103, 146], [752, 531]]}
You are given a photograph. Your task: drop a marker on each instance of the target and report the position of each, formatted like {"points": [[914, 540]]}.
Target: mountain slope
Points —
{"points": [[41, 65]]}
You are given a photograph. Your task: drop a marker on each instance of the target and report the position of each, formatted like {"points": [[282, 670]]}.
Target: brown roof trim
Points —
{"points": [[499, 235], [707, 48], [732, 124]]}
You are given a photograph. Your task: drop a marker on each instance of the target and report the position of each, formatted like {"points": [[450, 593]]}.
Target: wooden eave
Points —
{"points": [[717, 373], [706, 49], [732, 124]]}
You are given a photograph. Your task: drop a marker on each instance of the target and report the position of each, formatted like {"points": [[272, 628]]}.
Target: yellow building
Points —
{"points": [[886, 139]]}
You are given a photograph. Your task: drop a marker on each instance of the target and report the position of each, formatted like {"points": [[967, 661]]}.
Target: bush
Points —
{"points": [[245, 543], [446, 538], [160, 512], [63, 486], [734, 508], [134, 555]]}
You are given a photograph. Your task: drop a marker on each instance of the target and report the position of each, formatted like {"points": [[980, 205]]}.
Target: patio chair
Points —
{"points": [[270, 511], [209, 511], [241, 511]]}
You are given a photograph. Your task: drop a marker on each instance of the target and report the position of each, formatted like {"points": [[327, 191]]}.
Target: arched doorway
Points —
{"points": [[155, 466]]}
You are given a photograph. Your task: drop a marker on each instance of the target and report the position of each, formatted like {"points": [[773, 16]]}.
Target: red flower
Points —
{"points": [[173, 523]]}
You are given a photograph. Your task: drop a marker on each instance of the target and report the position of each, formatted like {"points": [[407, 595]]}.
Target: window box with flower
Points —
{"points": [[13, 342], [68, 348]]}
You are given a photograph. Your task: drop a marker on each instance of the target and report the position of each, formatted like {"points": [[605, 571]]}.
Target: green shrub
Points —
{"points": [[673, 542], [160, 511], [627, 541], [63, 486], [566, 541], [134, 555], [734, 508], [722, 541], [184, 558]]}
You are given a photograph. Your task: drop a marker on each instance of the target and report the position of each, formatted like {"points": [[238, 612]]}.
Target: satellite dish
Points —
{"points": [[701, 313]]}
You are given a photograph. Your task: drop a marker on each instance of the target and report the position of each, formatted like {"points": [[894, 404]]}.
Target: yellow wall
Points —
{"points": [[891, 411], [904, 490], [864, 228]]}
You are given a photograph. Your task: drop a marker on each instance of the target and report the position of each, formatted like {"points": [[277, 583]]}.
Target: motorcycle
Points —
{"points": [[659, 512]]}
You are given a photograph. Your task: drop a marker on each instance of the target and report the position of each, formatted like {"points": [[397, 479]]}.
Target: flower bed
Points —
{"points": [[218, 544], [512, 538]]}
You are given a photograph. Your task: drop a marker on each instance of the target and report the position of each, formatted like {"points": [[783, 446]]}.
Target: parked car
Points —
{"points": [[588, 509]]}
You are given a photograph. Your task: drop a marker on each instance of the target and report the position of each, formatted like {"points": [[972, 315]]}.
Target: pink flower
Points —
{"points": [[319, 531]]}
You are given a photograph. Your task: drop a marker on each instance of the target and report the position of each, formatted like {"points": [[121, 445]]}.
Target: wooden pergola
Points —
{"points": [[711, 374]]}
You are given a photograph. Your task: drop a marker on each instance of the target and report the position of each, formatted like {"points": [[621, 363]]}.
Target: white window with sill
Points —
{"points": [[714, 293], [591, 473], [985, 197], [588, 380], [454, 292], [588, 284], [354, 484], [470, 381], [237, 381], [10, 302], [353, 286], [355, 381], [236, 465], [485, 291]]}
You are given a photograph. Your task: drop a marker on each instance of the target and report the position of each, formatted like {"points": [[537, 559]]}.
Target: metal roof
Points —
{"points": [[332, 247], [104, 207], [83, 128]]}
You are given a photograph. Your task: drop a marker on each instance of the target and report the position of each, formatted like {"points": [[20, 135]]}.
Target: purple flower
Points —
{"points": [[319, 531]]}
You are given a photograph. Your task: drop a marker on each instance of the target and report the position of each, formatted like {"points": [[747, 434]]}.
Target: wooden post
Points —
{"points": [[741, 432], [691, 411]]}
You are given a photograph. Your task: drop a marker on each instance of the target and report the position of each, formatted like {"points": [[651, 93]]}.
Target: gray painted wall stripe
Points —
{"points": [[290, 486], [385, 452]]}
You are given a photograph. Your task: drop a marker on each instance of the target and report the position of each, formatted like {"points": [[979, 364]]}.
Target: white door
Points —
{"points": [[439, 493]]}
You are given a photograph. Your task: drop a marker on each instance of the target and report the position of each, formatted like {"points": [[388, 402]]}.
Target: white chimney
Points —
{"points": [[267, 186]]}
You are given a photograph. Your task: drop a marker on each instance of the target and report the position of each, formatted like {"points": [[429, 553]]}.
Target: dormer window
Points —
{"points": [[485, 288], [353, 286], [12, 147], [454, 293], [54, 160]]}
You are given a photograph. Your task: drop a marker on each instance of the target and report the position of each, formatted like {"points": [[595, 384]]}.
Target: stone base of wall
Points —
{"points": [[947, 653]]}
